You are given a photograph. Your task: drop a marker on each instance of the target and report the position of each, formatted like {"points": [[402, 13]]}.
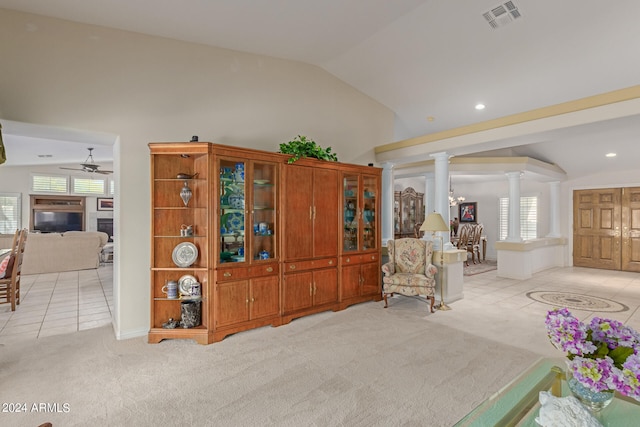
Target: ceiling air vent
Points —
{"points": [[502, 14]]}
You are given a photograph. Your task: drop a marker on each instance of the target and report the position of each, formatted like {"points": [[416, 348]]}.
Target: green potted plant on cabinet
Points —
{"points": [[301, 146]]}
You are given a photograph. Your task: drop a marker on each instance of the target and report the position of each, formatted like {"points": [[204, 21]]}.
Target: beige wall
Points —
{"points": [[145, 89]]}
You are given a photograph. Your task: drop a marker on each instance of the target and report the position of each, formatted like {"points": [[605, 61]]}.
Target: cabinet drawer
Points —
{"points": [[310, 264], [226, 274], [359, 259], [265, 270]]}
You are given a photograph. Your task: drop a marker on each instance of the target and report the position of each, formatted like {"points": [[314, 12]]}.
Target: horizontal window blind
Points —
{"points": [[10, 208], [49, 184], [91, 186], [528, 217]]}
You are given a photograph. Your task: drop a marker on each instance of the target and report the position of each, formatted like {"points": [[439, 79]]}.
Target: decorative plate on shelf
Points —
{"points": [[184, 284], [235, 221], [185, 254], [261, 181]]}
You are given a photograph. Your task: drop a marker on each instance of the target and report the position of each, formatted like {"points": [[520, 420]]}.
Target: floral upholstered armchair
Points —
{"points": [[409, 270]]}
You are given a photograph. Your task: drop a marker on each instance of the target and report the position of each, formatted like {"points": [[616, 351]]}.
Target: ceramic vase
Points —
{"points": [[185, 194], [191, 313]]}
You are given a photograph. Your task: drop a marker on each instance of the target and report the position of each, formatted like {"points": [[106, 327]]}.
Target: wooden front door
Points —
{"points": [[606, 226], [596, 228], [631, 229]]}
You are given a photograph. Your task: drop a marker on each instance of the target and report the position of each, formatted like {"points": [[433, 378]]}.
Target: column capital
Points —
{"points": [[440, 156], [387, 165], [514, 174]]}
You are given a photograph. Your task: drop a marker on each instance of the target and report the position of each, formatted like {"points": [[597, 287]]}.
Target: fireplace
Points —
{"points": [[106, 225]]}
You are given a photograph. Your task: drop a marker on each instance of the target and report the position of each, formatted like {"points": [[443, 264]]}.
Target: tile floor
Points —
{"points": [[498, 308], [59, 303]]}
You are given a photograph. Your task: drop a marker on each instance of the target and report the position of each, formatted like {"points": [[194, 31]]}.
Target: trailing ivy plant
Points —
{"points": [[301, 146]]}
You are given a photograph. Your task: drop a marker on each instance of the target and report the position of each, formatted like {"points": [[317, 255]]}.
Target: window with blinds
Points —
{"points": [[10, 212], [90, 186], [49, 184], [528, 217]]}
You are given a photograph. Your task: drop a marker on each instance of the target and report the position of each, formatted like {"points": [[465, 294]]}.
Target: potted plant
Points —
{"points": [[301, 146]]}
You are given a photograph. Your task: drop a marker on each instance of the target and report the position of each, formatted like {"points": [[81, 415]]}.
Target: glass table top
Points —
{"points": [[517, 404]]}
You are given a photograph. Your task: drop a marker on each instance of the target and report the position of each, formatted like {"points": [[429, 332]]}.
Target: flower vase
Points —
{"points": [[595, 401], [185, 194]]}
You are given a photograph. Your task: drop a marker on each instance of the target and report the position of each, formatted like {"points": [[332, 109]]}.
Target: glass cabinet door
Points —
{"points": [[369, 197], [232, 210], [263, 204], [350, 215]]}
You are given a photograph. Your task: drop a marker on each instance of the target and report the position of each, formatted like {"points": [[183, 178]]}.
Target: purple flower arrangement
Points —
{"points": [[603, 355]]}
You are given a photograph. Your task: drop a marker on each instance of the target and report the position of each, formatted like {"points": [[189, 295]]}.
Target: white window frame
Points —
{"points": [[528, 217], [10, 222], [101, 178], [49, 175]]}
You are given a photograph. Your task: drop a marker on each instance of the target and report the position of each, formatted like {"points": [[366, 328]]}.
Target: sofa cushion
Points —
{"points": [[104, 237]]}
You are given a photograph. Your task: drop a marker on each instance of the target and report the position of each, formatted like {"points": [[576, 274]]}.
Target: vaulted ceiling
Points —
{"points": [[429, 61]]}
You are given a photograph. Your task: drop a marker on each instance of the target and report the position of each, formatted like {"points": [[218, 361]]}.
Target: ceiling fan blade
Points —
{"points": [[103, 172], [72, 169]]}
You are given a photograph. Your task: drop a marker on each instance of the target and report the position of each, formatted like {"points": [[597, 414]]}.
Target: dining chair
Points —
{"points": [[463, 240], [473, 245], [10, 285]]}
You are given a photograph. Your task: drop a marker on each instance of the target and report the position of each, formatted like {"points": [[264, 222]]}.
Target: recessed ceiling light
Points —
{"points": [[611, 154], [480, 106], [430, 118]]}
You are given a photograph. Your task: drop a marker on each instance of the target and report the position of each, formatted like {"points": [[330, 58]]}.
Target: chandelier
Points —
{"points": [[453, 200]]}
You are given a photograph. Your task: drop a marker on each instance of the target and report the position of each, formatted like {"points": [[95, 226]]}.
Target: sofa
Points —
{"points": [[58, 252]]}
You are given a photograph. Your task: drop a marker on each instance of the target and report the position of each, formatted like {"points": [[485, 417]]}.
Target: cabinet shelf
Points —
{"points": [[177, 236], [178, 208], [179, 269], [177, 179]]}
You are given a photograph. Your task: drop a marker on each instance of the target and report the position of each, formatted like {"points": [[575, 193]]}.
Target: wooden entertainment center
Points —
{"points": [[267, 241]]}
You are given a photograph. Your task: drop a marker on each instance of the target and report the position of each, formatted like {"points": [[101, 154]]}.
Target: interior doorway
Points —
{"points": [[606, 228]]}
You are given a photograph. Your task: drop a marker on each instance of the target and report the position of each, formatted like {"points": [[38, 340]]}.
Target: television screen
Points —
{"points": [[57, 222]]}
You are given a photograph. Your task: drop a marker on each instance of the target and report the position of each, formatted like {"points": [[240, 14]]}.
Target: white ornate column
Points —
{"points": [[554, 209], [441, 196], [387, 202], [513, 233], [429, 197]]}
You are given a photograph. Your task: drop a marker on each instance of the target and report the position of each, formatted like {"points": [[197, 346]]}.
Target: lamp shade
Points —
{"points": [[434, 222]]}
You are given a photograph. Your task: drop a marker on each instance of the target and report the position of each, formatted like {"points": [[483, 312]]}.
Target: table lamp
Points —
{"points": [[433, 223]]}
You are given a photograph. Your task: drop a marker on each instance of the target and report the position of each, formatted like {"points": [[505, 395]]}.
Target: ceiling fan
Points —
{"points": [[90, 166]]}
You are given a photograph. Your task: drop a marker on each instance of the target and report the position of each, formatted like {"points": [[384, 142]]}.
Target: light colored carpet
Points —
{"points": [[364, 366]]}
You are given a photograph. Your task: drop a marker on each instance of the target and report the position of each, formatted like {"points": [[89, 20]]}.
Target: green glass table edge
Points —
{"points": [[517, 403]]}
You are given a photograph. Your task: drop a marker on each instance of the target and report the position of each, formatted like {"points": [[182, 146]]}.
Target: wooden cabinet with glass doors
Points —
{"points": [[180, 239], [360, 253], [246, 291], [256, 241]]}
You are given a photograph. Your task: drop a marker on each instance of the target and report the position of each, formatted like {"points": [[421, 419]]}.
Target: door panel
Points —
{"points": [[597, 224], [298, 236], [371, 279], [350, 281], [264, 297], [297, 291], [232, 302], [325, 286], [325, 232], [631, 229]]}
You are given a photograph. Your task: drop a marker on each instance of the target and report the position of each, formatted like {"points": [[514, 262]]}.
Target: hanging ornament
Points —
{"points": [[185, 194]]}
